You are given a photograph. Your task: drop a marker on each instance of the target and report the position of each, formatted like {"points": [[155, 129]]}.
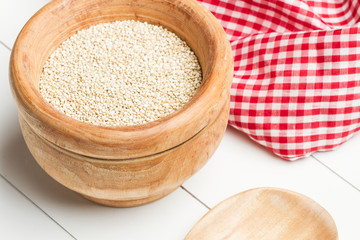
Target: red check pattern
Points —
{"points": [[296, 86]]}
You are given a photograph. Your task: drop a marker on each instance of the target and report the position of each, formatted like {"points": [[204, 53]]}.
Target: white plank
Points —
{"points": [[20, 219], [344, 160], [13, 16]]}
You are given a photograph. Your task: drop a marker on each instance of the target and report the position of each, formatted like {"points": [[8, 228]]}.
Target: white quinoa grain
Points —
{"points": [[120, 74]]}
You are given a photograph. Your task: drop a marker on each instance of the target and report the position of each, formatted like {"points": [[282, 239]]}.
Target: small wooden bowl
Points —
{"points": [[122, 166]]}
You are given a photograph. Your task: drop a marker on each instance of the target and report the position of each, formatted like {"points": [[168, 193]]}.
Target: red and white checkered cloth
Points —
{"points": [[296, 86]]}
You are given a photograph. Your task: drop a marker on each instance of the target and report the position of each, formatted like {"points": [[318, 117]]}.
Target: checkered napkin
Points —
{"points": [[296, 86]]}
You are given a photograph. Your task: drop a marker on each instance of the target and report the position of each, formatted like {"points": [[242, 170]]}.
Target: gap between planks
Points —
{"points": [[2, 43], [338, 175], [197, 199]]}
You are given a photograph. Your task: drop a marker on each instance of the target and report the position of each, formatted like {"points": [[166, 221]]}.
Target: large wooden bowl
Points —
{"points": [[122, 166]]}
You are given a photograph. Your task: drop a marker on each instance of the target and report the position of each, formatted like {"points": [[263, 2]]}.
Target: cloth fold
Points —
{"points": [[296, 85]]}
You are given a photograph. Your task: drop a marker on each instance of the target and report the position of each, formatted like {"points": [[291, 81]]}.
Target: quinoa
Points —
{"points": [[121, 73]]}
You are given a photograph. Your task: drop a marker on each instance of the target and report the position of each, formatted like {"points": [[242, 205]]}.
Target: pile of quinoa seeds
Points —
{"points": [[122, 73]]}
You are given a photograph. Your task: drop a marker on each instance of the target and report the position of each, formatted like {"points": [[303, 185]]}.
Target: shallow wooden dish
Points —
{"points": [[266, 214], [124, 166]]}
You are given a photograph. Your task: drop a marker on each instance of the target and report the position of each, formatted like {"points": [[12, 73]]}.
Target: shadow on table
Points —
{"points": [[21, 169], [255, 145]]}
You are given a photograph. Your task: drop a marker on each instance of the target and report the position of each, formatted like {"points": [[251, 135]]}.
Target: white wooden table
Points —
{"points": [[34, 206]]}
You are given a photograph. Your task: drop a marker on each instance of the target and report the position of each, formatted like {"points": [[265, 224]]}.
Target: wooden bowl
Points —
{"points": [[122, 166]]}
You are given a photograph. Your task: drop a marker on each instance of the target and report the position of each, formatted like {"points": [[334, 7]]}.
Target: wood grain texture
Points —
{"points": [[124, 183], [61, 18], [266, 214], [123, 166]]}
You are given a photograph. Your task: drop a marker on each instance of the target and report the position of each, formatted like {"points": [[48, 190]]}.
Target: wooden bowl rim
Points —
{"points": [[29, 100]]}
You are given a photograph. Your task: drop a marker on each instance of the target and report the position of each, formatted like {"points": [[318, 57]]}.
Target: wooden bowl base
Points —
{"points": [[127, 203]]}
